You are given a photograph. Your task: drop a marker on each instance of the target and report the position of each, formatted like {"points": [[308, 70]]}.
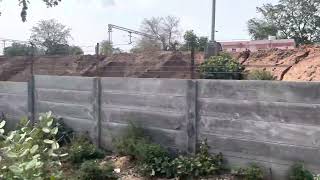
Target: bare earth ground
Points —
{"points": [[300, 64]]}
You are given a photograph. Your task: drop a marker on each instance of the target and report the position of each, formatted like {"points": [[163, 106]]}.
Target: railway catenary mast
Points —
{"points": [[130, 31]]}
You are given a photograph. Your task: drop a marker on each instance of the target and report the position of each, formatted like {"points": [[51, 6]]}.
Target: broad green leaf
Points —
{"points": [[51, 153], [49, 123], [1, 131], [34, 149], [11, 136], [48, 141], [55, 146], [36, 156], [49, 114], [2, 124], [31, 164], [46, 130], [12, 155], [28, 139], [54, 131], [16, 169], [25, 152]]}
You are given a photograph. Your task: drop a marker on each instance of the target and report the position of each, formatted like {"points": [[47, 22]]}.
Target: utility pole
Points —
{"points": [[213, 47], [213, 30]]}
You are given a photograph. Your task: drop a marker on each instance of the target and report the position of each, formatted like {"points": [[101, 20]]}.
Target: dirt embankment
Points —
{"points": [[147, 65], [300, 64]]}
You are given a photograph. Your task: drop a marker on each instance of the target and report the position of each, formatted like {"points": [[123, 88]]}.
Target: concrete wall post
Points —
{"points": [[31, 100], [191, 115], [97, 110]]}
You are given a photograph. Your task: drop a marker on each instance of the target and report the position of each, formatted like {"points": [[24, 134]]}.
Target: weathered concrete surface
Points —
{"points": [[71, 98], [13, 102], [273, 123], [159, 106]]}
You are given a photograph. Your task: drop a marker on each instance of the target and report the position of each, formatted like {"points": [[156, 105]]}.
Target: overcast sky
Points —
{"points": [[88, 19]]}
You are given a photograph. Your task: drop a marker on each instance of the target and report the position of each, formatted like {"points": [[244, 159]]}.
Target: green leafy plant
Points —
{"points": [[202, 164], [155, 161], [222, 66], [299, 172], [82, 149], [261, 75], [127, 144], [253, 172], [31, 152], [92, 170]]}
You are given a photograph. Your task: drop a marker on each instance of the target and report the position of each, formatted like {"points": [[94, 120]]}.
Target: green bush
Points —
{"points": [[202, 164], [31, 152], [155, 161], [222, 66], [253, 172], [299, 172], [260, 75], [91, 170], [82, 149]]}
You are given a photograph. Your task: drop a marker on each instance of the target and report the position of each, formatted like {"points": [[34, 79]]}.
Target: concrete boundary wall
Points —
{"points": [[13, 102], [273, 124]]}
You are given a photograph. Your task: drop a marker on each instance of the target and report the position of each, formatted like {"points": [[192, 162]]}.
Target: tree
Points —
{"points": [[106, 48], [75, 50], [192, 40], [52, 36], [165, 29], [260, 29], [203, 43], [17, 49], [297, 19], [25, 3], [146, 45]]}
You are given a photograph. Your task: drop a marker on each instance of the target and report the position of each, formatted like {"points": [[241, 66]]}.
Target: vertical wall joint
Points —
{"points": [[192, 116], [31, 99], [97, 110]]}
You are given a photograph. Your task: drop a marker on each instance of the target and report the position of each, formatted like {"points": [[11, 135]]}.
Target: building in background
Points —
{"points": [[253, 46]]}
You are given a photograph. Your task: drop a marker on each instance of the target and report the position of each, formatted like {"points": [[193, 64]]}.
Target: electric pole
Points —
{"points": [[213, 30], [213, 47]]}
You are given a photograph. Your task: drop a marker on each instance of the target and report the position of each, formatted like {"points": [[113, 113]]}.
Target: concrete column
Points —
{"points": [[97, 110], [31, 99], [191, 116]]}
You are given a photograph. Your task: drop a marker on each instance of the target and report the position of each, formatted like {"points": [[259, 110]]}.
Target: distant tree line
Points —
{"points": [[47, 38]]}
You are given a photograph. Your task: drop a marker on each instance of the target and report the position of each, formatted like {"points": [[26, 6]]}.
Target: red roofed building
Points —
{"points": [[240, 46]]}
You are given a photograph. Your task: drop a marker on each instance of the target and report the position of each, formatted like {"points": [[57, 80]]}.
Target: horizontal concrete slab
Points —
{"points": [[270, 91], [64, 83], [20, 88], [170, 139], [64, 96], [272, 152], [66, 110], [81, 126], [172, 87], [144, 118], [291, 113], [161, 102], [291, 134]]}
